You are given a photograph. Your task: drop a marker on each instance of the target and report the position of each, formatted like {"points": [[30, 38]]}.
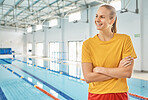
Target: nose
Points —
{"points": [[98, 19]]}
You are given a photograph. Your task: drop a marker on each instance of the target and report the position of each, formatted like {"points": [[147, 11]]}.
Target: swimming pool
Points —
{"points": [[62, 80]]}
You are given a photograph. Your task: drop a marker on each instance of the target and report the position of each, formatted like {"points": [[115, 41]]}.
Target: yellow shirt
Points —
{"points": [[108, 54]]}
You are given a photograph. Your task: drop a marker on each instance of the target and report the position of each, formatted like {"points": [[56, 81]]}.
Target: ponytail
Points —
{"points": [[114, 26]]}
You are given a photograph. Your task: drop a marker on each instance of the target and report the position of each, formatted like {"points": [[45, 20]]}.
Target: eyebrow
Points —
{"points": [[101, 15]]}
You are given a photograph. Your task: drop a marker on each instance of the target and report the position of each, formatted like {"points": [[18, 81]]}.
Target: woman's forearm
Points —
{"points": [[90, 76], [123, 71], [95, 77], [117, 72]]}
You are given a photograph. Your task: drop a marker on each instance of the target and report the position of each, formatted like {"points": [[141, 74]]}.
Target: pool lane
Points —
{"points": [[69, 86], [26, 74], [131, 98], [136, 86], [2, 95], [15, 88]]}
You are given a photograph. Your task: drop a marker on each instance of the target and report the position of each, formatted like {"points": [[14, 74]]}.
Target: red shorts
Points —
{"points": [[109, 96]]}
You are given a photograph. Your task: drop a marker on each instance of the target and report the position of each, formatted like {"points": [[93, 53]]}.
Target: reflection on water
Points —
{"points": [[54, 66], [29, 79], [40, 84], [136, 86], [39, 62], [71, 68], [29, 60], [74, 70], [54, 93]]}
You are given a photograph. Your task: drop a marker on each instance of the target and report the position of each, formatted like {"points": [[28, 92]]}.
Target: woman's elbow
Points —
{"points": [[129, 75], [87, 82], [125, 75], [87, 79]]}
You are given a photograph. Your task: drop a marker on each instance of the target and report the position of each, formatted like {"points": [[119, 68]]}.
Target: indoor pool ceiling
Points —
{"points": [[24, 13]]}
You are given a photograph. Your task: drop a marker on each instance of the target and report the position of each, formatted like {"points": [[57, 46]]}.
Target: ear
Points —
{"points": [[112, 21]]}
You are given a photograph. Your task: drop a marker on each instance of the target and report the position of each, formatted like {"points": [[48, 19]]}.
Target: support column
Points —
{"points": [[89, 22], [45, 43], [63, 42], [33, 42], [24, 44]]}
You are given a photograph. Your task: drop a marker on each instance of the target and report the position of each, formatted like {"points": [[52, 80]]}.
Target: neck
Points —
{"points": [[105, 35]]}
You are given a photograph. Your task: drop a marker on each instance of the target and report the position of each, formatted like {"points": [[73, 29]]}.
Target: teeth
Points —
{"points": [[98, 23]]}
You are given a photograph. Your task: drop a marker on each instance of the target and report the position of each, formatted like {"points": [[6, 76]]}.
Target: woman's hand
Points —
{"points": [[123, 63], [124, 70], [126, 62]]}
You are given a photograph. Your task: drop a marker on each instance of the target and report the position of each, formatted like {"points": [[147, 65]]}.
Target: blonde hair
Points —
{"points": [[112, 15]]}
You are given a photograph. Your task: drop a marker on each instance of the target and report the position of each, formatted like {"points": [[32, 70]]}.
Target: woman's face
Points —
{"points": [[102, 19]]}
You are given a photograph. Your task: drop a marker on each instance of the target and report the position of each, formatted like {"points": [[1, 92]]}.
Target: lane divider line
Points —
{"points": [[45, 83], [42, 90], [134, 95], [141, 97]]}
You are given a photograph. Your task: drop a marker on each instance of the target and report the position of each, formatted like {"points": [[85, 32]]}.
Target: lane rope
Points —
{"points": [[134, 95], [42, 81], [42, 90]]}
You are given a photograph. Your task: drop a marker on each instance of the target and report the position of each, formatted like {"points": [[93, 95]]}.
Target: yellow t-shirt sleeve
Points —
{"points": [[86, 55], [128, 49]]}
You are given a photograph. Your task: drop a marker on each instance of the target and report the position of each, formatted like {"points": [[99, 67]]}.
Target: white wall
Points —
{"points": [[144, 35], [53, 34], [29, 38], [9, 38], [134, 24], [39, 37], [127, 23]]}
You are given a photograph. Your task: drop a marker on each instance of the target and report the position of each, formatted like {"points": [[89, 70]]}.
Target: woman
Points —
{"points": [[107, 59]]}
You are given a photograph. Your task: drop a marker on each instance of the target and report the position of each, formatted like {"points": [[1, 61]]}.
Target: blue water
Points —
{"points": [[15, 88], [61, 86]]}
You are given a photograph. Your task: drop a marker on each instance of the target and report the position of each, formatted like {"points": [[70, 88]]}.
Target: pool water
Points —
{"points": [[66, 86]]}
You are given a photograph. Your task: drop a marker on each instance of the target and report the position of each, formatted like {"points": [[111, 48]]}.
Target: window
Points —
{"points": [[54, 55], [116, 4], [75, 50], [54, 50], [29, 29], [51, 49], [72, 51], [39, 49], [38, 27], [79, 50], [74, 16], [53, 22]]}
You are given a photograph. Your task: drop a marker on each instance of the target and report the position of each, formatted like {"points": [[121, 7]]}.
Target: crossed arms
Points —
{"points": [[124, 70]]}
